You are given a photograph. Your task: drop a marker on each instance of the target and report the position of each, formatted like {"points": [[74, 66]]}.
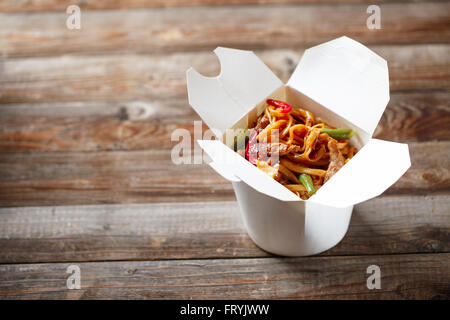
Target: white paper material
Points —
{"points": [[368, 174], [233, 164], [224, 172], [341, 75], [342, 80], [325, 226], [244, 81], [290, 228], [347, 78], [245, 77]]}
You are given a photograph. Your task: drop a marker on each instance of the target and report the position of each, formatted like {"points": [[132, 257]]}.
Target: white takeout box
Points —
{"points": [[340, 81]]}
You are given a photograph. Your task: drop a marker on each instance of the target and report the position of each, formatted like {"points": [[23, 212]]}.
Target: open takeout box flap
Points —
{"points": [[377, 166], [224, 172], [343, 76], [229, 164], [347, 78], [243, 82]]}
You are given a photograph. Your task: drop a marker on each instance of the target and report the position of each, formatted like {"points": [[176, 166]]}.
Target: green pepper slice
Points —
{"points": [[307, 182], [339, 134]]}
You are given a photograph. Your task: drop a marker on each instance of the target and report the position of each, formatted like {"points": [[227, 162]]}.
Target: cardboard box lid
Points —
{"points": [[342, 75], [347, 78], [230, 165], [368, 174], [243, 82]]}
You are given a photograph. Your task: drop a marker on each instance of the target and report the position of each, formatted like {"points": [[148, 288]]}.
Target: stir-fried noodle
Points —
{"points": [[299, 150]]}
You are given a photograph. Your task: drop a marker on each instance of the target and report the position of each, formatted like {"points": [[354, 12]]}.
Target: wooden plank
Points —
{"points": [[55, 178], [430, 169], [408, 276], [143, 125], [415, 117], [180, 29], [57, 5], [384, 225], [94, 126], [129, 77], [105, 177]]}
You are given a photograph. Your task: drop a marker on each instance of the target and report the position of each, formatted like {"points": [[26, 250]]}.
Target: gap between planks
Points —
{"points": [[13, 6], [144, 125], [188, 29], [162, 76], [174, 231], [151, 176], [421, 276]]}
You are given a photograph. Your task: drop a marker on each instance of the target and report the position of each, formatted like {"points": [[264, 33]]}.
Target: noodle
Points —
{"points": [[295, 136]]}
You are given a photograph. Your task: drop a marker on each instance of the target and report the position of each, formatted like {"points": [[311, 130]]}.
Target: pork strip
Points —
{"points": [[262, 122], [337, 160]]}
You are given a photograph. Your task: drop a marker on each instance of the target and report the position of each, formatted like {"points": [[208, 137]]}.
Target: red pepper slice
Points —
{"points": [[251, 157], [285, 107]]}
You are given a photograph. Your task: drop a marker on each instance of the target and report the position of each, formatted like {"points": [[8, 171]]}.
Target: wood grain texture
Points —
{"points": [[55, 178], [143, 125], [411, 117], [58, 5], [415, 276], [105, 177], [180, 29], [385, 225], [94, 126], [86, 118], [129, 77]]}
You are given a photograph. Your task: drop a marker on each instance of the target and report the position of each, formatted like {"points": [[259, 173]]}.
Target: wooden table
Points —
{"points": [[86, 118]]}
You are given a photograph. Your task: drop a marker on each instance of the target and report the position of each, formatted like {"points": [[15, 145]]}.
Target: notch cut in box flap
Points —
{"points": [[232, 164], [347, 78], [243, 82], [368, 174]]}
